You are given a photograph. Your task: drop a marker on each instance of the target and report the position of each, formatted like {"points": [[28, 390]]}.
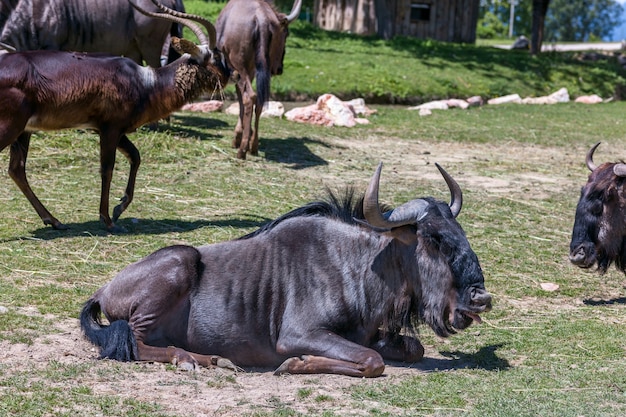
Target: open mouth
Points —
{"points": [[473, 316]]}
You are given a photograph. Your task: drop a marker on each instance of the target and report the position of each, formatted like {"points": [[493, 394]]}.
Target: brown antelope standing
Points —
{"points": [[252, 36], [52, 90]]}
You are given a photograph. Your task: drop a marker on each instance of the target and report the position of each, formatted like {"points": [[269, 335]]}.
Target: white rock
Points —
{"points": [[592, 99], [455, 102], [432, 105], [511, 98], [562, 96], [273, 109], [327, 111], [539, 100], [204, 106]]}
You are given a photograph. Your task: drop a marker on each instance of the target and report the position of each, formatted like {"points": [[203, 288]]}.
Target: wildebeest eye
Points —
{"points": [[596, 208]]}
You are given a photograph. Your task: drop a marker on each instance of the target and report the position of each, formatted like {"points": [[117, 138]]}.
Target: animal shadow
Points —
{"points": [[600, 302], [194, 126], [136, 226], [486, 359], [292, 152]]}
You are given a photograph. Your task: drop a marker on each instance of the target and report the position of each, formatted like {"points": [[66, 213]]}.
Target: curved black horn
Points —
{"points": [[295, 11], [456, 195], [182, 18], [589, 158], [407, 213]]}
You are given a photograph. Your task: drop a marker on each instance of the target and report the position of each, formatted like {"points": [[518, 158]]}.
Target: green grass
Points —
{"points": [[541, 353], [538, 353]]}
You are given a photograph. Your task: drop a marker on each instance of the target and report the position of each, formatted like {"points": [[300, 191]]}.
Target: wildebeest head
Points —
{"points": [[279, 38], [599, 234], [448, 292]]}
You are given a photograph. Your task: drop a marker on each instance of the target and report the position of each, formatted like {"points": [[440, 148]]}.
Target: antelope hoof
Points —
{"points": [[115, 229], [57, 225], [119, 209]]}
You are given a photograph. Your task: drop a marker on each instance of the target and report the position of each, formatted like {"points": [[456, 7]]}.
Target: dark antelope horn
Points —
{"points": [[589, 159], [184, 19], [295, 11], [407, 213], [456, 195]]}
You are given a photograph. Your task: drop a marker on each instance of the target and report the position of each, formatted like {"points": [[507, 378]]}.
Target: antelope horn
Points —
{"points": [[295, 11], [194, 17], [456, 195], [408, 213], [7, 47], [589, 159], [182, 18], [619, 170]]}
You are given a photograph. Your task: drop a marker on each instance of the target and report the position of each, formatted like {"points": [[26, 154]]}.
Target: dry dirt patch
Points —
{"points": [[207, 392]]}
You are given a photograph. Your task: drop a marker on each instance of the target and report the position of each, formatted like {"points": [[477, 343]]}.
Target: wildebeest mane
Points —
{"points": [[345, 207]]}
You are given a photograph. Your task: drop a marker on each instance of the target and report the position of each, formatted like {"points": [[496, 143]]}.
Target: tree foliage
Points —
{"points": [[565, 20], [582, 20]]}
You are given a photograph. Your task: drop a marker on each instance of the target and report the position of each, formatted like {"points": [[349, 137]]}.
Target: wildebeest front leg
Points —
{"points": [[132, 154], [324, 352], [187, 361], [17, 171]]}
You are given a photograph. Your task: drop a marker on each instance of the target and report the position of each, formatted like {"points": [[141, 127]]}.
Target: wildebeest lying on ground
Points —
{"points": [[331, 287], [599, 234]]}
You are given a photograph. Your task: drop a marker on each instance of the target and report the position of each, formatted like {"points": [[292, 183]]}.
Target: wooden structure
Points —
{"points": [[442, 20]]}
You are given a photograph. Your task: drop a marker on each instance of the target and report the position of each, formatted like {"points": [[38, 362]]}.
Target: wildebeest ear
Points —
{"points": [[405, 234], [619, 170], [183, 46]]}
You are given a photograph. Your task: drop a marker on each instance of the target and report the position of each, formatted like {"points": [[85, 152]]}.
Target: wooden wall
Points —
{"points": [[449, 20]]}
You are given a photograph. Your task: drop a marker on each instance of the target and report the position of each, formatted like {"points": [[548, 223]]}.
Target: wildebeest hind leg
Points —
{"points": [[187, 361]]}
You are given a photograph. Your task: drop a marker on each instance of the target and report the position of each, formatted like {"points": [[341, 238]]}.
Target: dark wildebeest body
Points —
{"points": [[315, 291], [252, 36], [599, 233], [110, 26]]}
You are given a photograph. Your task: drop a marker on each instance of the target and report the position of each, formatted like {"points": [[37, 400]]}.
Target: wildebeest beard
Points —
{"points": [[448, 268]]}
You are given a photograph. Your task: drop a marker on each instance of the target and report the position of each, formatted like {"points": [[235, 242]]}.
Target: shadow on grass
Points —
{"points": [[142, 227], [293, 152], [192, 125], [485, 359], [612, 301]]}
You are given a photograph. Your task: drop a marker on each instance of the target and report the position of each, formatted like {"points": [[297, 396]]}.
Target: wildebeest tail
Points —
{"points": [[263, 75], [116, 341]]}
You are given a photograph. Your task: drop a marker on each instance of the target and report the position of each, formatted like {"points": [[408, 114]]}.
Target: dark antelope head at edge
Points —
{"points": [[599, 232]]}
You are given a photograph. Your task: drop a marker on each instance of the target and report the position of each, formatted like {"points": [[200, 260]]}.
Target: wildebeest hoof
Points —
{"points": [[57, 225], [285, 367], [188, 366]]}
